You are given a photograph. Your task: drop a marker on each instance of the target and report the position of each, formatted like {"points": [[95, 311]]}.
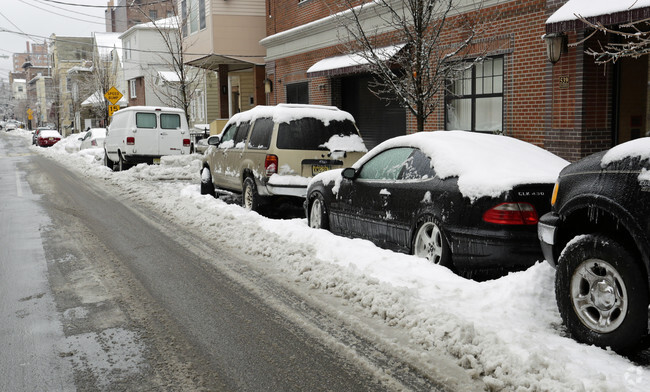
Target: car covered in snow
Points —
{"points": [[93, 138], [467, 201], [598, 238], [48, 138], [272, 151]]}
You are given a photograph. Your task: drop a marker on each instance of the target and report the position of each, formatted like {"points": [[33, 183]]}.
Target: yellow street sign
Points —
{"points": [[29, 114], [113, 95], [112, 109]]}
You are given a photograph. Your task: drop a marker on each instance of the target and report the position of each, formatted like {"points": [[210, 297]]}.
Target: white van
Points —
{"points": [[143, 134]]}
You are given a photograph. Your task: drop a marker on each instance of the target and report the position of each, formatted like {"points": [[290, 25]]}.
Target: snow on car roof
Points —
{"points": [[633, 148], [485, 164], [49, 133], [285, 113]]}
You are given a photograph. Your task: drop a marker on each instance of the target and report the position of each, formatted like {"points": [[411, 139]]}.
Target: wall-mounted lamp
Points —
{"points": [[268, 86], [556, 44]]}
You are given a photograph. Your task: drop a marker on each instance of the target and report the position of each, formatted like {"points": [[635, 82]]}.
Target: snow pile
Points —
{"points": [[486, 165], [505, 333], [589, 8], [345, 143]]}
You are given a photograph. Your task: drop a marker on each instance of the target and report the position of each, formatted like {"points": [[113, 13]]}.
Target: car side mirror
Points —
{"points": [[214, 141], [349, 173]]}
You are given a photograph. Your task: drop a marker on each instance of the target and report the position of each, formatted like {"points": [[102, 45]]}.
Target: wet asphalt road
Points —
{"points": [[102, 294]]}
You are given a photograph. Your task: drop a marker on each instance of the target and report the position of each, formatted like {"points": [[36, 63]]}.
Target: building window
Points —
{"points": [[153, 14], [193, 16], [475, 100], [132, 91], [298, 92], [127, 50]]}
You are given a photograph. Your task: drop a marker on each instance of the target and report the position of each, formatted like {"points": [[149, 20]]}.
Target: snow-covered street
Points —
{"points": [[505, 333]]}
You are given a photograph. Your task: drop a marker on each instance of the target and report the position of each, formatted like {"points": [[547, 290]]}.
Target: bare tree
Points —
{"points": [[634, 42], [179, 90], [417, 74]]}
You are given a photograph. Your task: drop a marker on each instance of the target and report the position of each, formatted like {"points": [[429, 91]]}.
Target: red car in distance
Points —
{"points": [[48, 138]]}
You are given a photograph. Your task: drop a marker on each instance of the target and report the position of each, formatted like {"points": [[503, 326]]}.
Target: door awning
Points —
{"points": [[605, 12], [349, 63], [234, 63]]}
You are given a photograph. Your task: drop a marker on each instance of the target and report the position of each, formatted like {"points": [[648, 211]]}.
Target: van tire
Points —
{"points": [[250, 199], [107, 161], [121, 165]]}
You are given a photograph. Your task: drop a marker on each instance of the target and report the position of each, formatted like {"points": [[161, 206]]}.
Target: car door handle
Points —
{"points": [[163, 133]]}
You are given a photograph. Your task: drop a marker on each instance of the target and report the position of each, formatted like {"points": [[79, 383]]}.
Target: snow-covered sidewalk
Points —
{"points": [[506, 333]]}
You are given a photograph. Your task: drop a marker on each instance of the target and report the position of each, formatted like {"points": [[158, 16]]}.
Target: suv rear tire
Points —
{"points": [[602, 293], [250, 199]]}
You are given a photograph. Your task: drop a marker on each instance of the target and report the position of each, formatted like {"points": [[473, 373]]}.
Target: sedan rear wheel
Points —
{"points": [[430, 243]]}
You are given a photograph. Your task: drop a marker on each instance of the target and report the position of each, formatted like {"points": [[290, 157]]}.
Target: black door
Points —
{"points": [[377, 119]]}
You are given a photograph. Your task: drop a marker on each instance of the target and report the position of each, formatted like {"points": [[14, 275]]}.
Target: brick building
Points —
{"points": [[592, 107], [121, 15], [35, 54], [572, 107]]}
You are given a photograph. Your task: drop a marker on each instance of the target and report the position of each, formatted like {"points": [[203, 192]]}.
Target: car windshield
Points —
{"points": [[311, 134]]}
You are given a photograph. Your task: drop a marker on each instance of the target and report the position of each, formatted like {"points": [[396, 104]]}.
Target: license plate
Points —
{"points": [[315, 169], [156, 161], [50, 139]]}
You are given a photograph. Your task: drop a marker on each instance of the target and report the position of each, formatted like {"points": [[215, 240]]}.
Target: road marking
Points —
{"points": [[19, 190]]}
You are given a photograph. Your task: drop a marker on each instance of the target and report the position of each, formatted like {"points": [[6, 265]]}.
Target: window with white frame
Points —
{"points": [[132, 91], [475, 100], [193, 16]]}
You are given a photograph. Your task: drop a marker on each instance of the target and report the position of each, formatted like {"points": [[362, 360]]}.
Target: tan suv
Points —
{"points": [[273, 151]]}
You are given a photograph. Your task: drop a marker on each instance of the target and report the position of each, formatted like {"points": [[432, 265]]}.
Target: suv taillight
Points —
{"points": [[130, 140], [511, 214], [271, 165], [186, 142]]}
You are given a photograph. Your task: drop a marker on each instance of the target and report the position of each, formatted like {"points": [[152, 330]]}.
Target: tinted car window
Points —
{"points": [[417, 166], [242, 132], [170, 121], [261, 134], [145, 120], [311, 134], [387, 165]]}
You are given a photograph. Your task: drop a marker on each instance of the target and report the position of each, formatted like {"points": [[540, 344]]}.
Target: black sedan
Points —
{"points": [[598, 238], [464, 200]]}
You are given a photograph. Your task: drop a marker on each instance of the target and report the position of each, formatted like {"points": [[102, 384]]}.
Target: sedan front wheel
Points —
{"points": [[317, 213], [430, 243]]}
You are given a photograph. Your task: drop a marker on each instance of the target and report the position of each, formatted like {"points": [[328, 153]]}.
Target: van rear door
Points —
{"points": [[171, 134], [146, 135]]}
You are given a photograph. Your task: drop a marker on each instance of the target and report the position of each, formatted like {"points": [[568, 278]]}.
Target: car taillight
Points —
{"points": [[130, 140], [186, 142], [271, 164], [511, 214]]}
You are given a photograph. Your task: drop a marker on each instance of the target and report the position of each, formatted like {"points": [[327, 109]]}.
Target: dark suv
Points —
{"points": [[598, 238]]}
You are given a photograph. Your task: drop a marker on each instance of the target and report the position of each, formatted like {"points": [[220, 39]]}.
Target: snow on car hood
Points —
{"points": [[345, 143], [634, 148], [285, 113], [485, 164]]}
